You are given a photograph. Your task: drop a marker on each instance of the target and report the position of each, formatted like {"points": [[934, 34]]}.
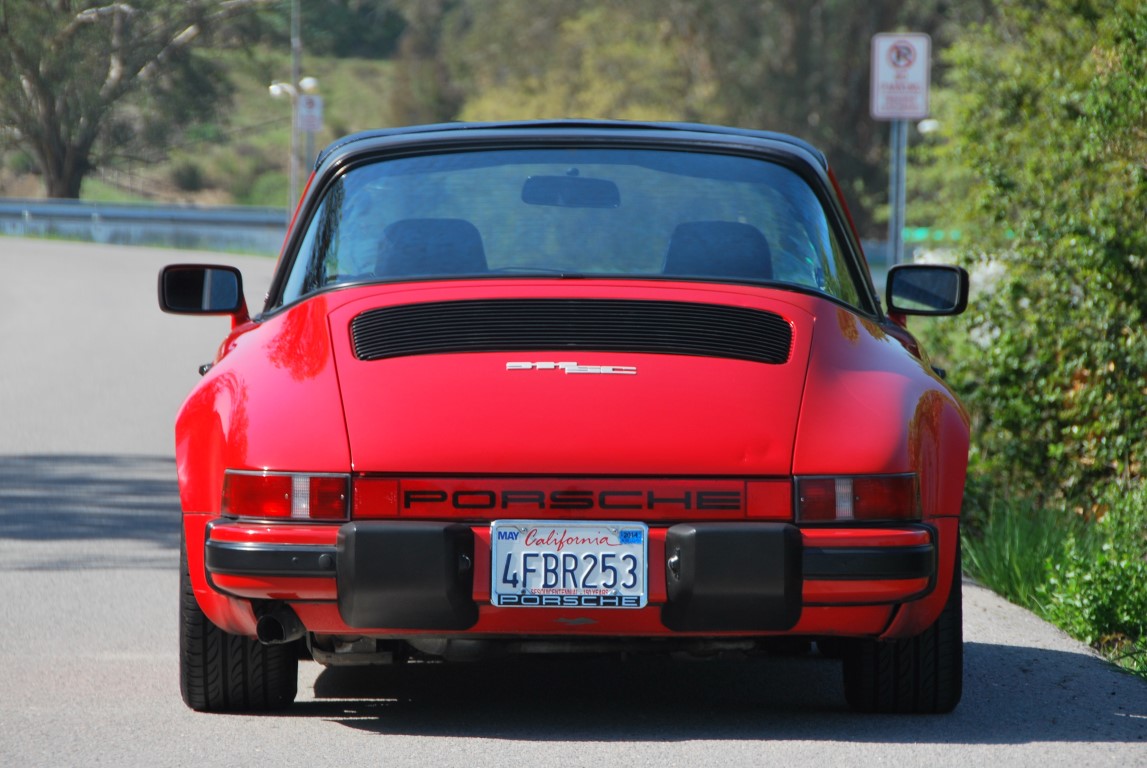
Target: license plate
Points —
{"points": [[559, 564]]}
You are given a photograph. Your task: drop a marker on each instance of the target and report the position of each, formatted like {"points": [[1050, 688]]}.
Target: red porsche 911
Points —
{"points": [[577, 385]]}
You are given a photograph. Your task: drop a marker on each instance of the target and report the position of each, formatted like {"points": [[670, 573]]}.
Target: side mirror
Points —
{"points": [[200, 289], [927, 289]]}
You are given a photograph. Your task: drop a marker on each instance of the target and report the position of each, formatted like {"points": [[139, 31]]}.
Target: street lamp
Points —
{"points": [[308, 119]]}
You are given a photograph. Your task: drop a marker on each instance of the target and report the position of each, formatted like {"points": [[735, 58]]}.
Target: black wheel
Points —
{"points": [[919, 675], [222, 672]]}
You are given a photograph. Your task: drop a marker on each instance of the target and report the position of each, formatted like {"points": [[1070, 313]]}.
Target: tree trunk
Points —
{"points": [[64, 185], [65, 161]]}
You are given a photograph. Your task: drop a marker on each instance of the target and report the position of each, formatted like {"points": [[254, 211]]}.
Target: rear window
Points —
{"points": [[617, 213]]}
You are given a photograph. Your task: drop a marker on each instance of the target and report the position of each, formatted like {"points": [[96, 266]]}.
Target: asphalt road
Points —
{"points": [[91, 375]]}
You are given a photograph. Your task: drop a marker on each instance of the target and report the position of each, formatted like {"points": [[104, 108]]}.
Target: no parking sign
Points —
{"points": [[901, 76], [310, 113]]}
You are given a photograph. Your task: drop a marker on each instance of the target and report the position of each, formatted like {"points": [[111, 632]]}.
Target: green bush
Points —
{"points": [[1097, 590], [188, 176], [270, 189], [1087, 576], [20, 162], [242, 173]]}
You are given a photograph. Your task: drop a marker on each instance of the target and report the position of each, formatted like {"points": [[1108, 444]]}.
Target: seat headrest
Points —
{"points": [[718, 249], [413, 247]]}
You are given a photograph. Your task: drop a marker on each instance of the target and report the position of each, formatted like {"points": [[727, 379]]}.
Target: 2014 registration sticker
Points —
{"points": [[568, 564]]}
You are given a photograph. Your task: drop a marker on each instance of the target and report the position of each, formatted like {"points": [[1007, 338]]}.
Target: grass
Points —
{"points": [[1009, 549], [1088, 577]]}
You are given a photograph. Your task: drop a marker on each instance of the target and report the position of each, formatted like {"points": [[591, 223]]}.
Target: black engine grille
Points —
{"points": [[605, 325]]}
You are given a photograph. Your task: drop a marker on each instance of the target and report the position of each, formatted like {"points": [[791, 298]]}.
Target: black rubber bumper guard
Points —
{"points": [[730, 576]]}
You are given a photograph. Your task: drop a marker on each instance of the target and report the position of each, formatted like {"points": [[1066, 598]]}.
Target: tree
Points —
{"points": [[1045, 125], [346, 29], [423, 91], [800, 66], [606, 59], [83, 82]]}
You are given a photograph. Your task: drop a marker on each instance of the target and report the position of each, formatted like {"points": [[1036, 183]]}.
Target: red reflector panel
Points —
{"points": [[885, 498], [375, 497], [280, 495], [257, 495], [816, 499], [865, 498], [770, 499]]}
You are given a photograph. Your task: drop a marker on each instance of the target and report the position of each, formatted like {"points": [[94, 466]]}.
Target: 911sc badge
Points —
{"points": [[625, 370]]}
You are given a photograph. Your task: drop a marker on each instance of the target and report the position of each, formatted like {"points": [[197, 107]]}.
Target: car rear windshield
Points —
{"points": [[599, 212]]}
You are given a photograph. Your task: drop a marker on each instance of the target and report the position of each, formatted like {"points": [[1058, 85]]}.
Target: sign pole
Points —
{"points": [[897, 190]]}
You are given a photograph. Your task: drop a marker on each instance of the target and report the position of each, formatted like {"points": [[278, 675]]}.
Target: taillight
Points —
{"points": [[285, 495], [863, 498]]}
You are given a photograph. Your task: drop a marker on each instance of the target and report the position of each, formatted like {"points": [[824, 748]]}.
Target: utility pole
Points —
{"points": [[296, 75], [306, 108]]}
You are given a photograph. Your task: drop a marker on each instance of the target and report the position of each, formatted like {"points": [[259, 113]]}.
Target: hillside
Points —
{"points": [[244, 159]]}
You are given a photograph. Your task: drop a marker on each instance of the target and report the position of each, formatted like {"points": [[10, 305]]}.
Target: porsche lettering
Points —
{"points": [[571, 601], [574, 500]]}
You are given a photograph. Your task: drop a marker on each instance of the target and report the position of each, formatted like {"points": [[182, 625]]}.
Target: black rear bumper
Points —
{"points": [[720, 576]]}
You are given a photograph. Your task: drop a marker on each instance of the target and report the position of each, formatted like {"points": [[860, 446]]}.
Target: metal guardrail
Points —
{"points": [[225, 228]]}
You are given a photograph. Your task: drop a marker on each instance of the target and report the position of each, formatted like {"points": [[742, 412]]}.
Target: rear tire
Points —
{"points": [[918, 675], [222, 672]]}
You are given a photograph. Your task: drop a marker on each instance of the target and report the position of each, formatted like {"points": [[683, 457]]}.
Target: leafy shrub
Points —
{"points": [[188, 176], [270, 189], [205, 133], [1097, 590], [21, 162], [242, 173], [1088, 577]]}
